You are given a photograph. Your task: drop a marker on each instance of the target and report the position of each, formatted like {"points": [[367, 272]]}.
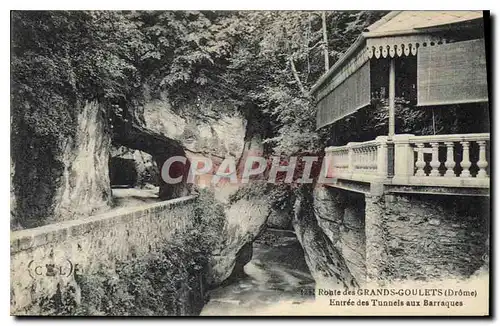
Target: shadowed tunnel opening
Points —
{"points": [[123, 172]]}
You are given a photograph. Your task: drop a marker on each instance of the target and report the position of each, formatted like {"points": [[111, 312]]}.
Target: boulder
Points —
{"points": [[280, 219], [245, 220]]}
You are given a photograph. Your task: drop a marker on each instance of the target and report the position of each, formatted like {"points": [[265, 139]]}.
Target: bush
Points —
{"points": [[210, 220], [153, 285]]}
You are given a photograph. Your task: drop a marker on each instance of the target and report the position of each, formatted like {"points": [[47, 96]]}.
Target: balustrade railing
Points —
{"points": [[449, 160], [362, 161], [459, 160]]}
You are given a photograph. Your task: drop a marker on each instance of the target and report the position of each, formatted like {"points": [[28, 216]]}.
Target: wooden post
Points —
{"points": [[392, 97]]}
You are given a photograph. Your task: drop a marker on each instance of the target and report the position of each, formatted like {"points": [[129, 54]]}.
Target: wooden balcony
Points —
{"points": [[459, 160]]}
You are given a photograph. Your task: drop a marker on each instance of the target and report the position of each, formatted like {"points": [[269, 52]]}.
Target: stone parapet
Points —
{"points": [[46, 259]]}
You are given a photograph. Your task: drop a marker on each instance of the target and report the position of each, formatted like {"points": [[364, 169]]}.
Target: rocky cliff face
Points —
{"points": [[204, 129], [245, 220], [325, 260], [217, 133], [58, 179], [341, 218], [280, 219], [72, 180], [211, 134], [85, 180]]}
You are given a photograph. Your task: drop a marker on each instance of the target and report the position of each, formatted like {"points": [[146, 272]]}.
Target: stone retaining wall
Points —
{"points": [[396, 237], [46, 258], [435, 236]]}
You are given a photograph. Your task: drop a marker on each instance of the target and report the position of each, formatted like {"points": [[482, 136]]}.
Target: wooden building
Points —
{"points": [[429, 60], [422, 196]]}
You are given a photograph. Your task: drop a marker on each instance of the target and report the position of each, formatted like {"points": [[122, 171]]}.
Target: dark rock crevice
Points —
{"points": [[325, 261]]}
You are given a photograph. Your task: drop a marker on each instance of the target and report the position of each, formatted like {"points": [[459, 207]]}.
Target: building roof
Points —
{"points": [[400, 23], [408, 21]]}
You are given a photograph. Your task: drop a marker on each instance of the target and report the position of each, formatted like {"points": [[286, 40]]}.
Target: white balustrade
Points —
{"points": [[420, 164], [458, 160], [359, 161], [482, 163], [442, 160]]}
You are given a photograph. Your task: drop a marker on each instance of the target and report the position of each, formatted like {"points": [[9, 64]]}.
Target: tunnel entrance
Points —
{"points": [[134, 177], [129, 168], [122, 172]]}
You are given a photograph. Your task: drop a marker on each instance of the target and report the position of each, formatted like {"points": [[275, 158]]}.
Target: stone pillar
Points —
{"points": [[376, 255], [404, 161], [382, 156]]}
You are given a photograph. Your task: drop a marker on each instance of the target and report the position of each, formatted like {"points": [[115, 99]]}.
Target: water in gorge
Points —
{"points": [[277, 274]]}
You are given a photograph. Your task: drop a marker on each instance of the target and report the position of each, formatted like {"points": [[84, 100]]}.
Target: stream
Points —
{"points": [[277, 274]]}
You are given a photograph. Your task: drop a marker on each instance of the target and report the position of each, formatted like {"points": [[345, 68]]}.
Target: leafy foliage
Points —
{"points": [[285, 60], [262, 60], [61, 59]]}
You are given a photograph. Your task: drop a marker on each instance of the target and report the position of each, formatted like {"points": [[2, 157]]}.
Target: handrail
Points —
{"points": [[431, 160], [368, 143], [454, 137]]}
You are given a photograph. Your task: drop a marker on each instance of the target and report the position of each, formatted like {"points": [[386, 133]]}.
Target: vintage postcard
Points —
{"points": [[277, 163]]}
